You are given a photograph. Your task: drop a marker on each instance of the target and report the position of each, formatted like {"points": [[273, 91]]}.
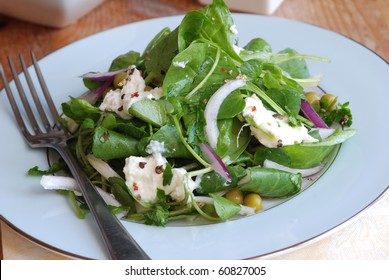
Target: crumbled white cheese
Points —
{"points": [[120, 100], [144, 176], [234, 30], [155, 147], [271, 129], [181, 64]]}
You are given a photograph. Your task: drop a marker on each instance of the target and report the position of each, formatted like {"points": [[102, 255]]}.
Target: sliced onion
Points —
{"points": [[311, 114], [212, 109], [102, 76], [51, 182], [304, 172], [102, 167], [216, 163]]}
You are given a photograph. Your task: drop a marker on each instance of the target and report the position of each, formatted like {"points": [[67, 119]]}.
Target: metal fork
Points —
{"points": [[118, 241]]}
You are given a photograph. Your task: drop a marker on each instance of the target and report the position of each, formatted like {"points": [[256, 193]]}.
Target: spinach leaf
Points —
{"points": [[213, 182], [125, 60], [232, 106], [258, 45], [225, 208], [305, 155], [296, 68], [213, 23], [205, 69], [233, 138], [272, 183], [159, 57]]}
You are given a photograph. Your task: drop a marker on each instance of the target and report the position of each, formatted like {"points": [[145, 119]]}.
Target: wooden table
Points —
{"points": [[365, 21]]}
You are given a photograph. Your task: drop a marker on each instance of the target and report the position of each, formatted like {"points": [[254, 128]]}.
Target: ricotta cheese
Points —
{"points": [[120, 100], [270, 129], [144, 176]]}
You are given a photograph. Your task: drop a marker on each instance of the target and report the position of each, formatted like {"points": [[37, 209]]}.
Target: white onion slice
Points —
{"points": [[304, 172], [212, 109], [102, 167], [51, 182]]}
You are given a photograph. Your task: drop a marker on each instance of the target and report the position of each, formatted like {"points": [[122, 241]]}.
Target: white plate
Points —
{"points": [[358, 176]]}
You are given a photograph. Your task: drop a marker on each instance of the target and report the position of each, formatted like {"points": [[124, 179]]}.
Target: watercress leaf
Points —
{"points": [[225, 208], [108, 144], [272, 183], [150, 111], [55, 167], [79, 110]]}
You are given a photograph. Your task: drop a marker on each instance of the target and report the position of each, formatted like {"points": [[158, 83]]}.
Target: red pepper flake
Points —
{"points": [[223, 69], [135, 94], [135, 186]]}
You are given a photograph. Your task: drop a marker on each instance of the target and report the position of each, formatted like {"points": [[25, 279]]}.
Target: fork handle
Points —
{"points": [[119, 243]]}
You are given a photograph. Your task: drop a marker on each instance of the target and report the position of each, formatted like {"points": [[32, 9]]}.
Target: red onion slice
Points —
{"points": [[216, 163], [102, 76], [311, 114]]}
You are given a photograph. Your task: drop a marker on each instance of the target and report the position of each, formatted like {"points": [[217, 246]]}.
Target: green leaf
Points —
{"points": [[159, 215], [167, 175], [79, 110], [213, 23], [296, 68], [272, 183], [150, 111], [213, 182], [108, 144], [120, 191], [125, 60], [55, 167], [225, 208]]}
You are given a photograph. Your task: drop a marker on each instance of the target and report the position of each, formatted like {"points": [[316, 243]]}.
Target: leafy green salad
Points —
{"points": [[197, 126]]}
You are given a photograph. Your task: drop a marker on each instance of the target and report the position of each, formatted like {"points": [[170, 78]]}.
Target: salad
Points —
{"points": [[197, 126]]}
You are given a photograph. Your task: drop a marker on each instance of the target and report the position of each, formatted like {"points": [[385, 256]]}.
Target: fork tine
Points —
{"points": [[34, 94], [23, 98], [13, 104], [12, 101], [45, 90]]}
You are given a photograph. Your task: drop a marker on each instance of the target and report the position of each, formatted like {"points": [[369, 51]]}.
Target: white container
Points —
{"points": [[266, 7], [54, 13]]}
